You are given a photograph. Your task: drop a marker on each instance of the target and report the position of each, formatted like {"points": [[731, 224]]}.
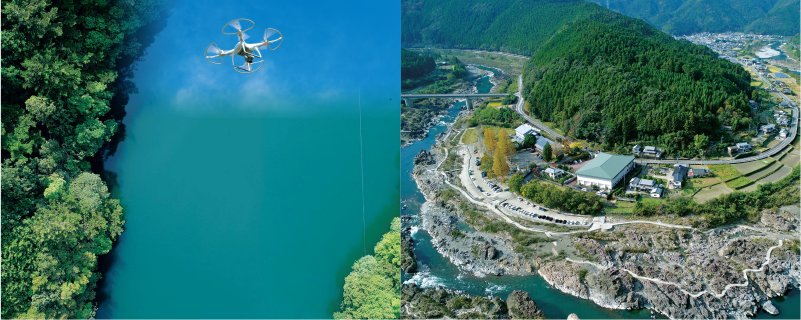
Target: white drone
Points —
{"points": [[243, 48]]}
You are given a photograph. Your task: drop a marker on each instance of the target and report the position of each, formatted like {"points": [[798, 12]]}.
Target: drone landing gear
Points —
{"points": [[249, 67]]}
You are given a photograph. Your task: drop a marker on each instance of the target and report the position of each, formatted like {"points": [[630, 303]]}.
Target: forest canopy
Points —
{"points": [[414, 65], [59, 75]]}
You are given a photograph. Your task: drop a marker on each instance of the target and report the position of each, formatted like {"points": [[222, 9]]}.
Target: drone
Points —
{"points": [[246, 50]]}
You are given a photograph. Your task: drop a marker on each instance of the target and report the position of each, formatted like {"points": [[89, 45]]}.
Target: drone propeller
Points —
{"points": [[237, 26], [269, 32], [245, 36], [214, 50]]}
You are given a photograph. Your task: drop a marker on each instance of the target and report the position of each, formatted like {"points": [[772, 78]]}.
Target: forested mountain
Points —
{"points": [[613, 79], [679, 17], [793, 47], [58, 74], [414, 65], [513, 26]]}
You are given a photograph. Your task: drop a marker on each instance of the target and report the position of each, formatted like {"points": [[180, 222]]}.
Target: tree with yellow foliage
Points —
{"points": [[505, 144], [499, 165], [490, 140]]}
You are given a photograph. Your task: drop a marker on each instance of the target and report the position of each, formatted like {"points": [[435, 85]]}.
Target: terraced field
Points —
{"points": [[792, 158], [752, 187], [712, 192], [738, 183], [748, 167], [756, 175], [778, 175]]}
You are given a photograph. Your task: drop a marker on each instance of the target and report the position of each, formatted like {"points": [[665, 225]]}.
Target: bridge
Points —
{"points": [[466, 96]]}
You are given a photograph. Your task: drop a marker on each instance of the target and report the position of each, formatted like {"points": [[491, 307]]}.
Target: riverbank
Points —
{"points": [[680, 260]]}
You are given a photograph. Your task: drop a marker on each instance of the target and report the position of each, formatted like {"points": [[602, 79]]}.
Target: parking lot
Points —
{"points": [[474, 183], [523, 208]]}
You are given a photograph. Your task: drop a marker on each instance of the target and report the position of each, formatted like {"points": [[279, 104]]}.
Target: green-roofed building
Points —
{"points": [[605, 170]]}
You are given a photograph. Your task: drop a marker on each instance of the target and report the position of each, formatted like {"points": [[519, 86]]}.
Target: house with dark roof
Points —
{"points": [[650, 151], [679, 172], [605, 170], [695, 173]]}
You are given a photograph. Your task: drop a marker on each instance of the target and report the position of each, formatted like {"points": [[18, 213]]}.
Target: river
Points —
{"points": [[242, 193], [436, 270]]}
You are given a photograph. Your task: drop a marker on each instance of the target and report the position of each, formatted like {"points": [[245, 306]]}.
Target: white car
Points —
{"points": [[487, 193]]}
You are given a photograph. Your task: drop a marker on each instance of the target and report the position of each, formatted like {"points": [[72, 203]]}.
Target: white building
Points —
{"points": [[523, 130], [605, 170], [554, 173]]}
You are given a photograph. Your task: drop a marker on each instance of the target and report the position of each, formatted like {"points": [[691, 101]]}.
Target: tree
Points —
{"points": [[515, 182], [505, 146], [499, 166], [529, 141], [547, 152], [486, 164], [490, 140], [701, 142]]}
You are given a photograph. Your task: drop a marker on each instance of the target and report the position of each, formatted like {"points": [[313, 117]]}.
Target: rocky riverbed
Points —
{"points": [[685, 259], [436, 303]]}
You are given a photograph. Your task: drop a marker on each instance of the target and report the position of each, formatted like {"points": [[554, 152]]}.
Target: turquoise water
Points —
{"points": [[242, 194], [439, 271], [789, 307]]}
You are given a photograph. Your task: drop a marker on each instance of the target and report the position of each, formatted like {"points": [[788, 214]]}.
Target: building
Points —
{"points": [[523, 130], [641, 184], [636, 149], [768, 128], [695, 173], [783, 121], [653, 152], [656, 193], [605, 170], [744, 146], [733, 150], [680, 171], [541, 142], [554, 173], [783, 133]]}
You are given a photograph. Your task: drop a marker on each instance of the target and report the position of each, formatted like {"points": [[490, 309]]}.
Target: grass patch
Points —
{"points": [[494, 104], [470, 136], [739, 182], [724, 172], [620, 207], [756, 83]]}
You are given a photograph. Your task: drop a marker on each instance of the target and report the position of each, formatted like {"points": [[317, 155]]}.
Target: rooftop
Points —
{"points": [[605, 166], [524, 129]]}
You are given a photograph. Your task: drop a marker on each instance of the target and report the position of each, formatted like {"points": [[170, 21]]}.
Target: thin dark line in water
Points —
{"points": [[361, 157]]}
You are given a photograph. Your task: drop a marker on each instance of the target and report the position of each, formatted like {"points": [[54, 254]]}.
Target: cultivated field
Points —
{"points": [[752, 187], [761, 173], [724, 172], [791, 158], [778, 175], [738, 183], [748, 167], [712, 192]]}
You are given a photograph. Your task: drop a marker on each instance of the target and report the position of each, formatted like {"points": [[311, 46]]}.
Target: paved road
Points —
{"points": [[519, 108]]}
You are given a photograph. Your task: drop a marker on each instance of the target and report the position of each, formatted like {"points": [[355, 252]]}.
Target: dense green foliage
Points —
{"points": [[500, 117], [514, 26], [515, 182], [529, 141], [414, 65], [691, 16], [372, 289], [732, 207], [564, 199], [58, 74], [452, 82], [547, 152], [614, 79]]}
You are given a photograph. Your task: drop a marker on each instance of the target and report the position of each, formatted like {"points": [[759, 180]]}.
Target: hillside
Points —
{"points": [[414, 65], [793, 48], [513, 26], [681, 17], [613, 79]]}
